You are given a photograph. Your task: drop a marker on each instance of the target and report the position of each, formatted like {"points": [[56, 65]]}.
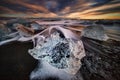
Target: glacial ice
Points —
{"points": [[95, 32], [61, 53]]}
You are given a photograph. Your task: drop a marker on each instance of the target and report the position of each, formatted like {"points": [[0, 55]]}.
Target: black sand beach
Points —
{"points": [[15, 62]]}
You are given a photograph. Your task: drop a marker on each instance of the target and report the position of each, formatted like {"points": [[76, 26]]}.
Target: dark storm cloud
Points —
{"points": [[52, 5], [114, 2], [88, 5], [10, 6], [109, 10], [64, 3], [99, 2], [82, 5], [5, 9], [60, 7], [110, 7], [22, 6]]}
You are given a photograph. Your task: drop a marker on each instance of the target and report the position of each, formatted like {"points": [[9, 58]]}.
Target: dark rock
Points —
{"points": [[102, 62]]}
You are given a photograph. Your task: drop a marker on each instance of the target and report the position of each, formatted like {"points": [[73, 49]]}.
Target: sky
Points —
{"points": [[79, 9]]}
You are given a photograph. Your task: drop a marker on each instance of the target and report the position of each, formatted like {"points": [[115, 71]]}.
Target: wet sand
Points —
{"points": [[15, 62]]}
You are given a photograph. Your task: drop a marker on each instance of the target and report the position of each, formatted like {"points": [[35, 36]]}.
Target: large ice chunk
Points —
{"points": [[59, 52], [95, 32]]}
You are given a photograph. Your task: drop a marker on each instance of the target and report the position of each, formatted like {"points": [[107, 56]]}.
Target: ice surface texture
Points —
{"points": [[59, 52], [95, 32]]}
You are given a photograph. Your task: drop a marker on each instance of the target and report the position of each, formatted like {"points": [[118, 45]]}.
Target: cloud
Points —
{"points": [[88, 11], [28, 5], [6, 10], [62, 8], [30, 15]]}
